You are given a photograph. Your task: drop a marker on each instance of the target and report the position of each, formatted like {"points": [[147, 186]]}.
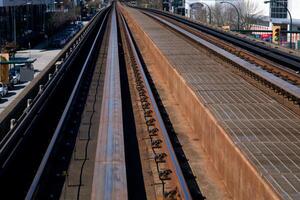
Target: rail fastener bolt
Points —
{"points": [[156, 143], [165, 174], [12, 123], [29, 102], [41, 88], [160, 157]]}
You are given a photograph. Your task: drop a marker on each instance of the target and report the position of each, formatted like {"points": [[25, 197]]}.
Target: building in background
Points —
{"points": [[178, 7], [166, 5], [197, 7], [197, 12], [21, 18], [280, 17], [24, 22]]}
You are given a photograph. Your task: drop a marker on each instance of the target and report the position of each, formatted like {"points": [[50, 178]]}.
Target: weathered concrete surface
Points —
{"points": [[209, 182], [242, 174]]}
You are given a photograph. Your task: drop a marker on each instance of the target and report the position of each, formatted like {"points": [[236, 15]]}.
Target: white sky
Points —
{"points": [[260, 4], [263, 7]]}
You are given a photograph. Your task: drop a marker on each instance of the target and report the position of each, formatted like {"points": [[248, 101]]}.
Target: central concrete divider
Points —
{"points": [[241, 178]]}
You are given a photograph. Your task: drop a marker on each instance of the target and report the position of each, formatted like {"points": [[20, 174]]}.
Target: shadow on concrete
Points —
{"points": [[9, 94], [3, 101]]}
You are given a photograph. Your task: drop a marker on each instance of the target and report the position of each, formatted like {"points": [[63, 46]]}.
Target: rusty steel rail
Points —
{"points": [[157, 130], [271, 80], [109, 180]]}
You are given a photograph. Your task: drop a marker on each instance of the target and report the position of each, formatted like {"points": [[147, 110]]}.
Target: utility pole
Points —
{"points": [[209, 10], [288, 11], [237, 10], [15, 25]]}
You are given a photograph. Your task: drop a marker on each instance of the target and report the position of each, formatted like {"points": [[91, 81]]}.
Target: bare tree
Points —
{"points": [[226, 15], [217, 13], [250, 14], [58, 19], [198, 12]]}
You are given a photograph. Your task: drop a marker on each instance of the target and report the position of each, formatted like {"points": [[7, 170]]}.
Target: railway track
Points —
{"points": [[51, 164], [37, 152], [27, 149], [288, 74], [287, 61], [276, 70], [112, 142], [173, 181]]}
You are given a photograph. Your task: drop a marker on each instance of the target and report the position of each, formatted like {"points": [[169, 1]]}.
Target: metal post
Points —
{"points": [[291, 27], [209, 11], [44, 17], [12, 123], [15, 26], [288, 11], [237, 10]]}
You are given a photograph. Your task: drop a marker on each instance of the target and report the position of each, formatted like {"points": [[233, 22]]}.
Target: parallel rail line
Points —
{"points": [[279, 85], [268, 65], [285, 59]]}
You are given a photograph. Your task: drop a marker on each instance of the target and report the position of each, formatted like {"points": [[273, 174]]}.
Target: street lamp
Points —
{"points": [[201, 3], [209, 10], [28, 13], [15, 25], [291, 20], [27, 4], [238, 13], [42, 6]]}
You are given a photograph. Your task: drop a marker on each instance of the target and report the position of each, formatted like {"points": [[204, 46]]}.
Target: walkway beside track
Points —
{"points": [[266, 132]]}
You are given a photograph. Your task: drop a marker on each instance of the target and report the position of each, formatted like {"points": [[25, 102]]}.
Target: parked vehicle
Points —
{"points": [[14, 77], [66, 35], [58, 42], [3, 90], [79, 24]]}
